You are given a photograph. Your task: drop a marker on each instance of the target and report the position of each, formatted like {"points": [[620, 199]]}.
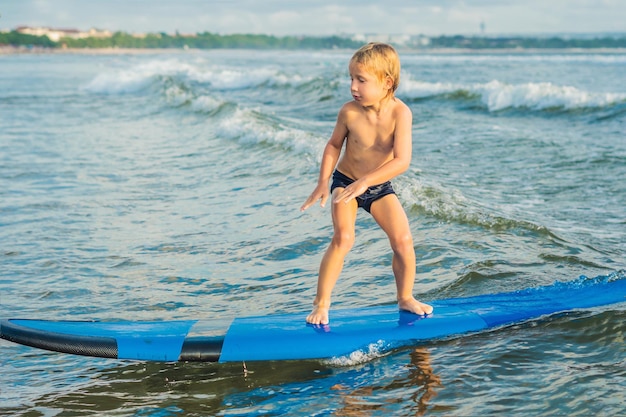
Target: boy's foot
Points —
{"points": [[319, 315], [413, 306]]}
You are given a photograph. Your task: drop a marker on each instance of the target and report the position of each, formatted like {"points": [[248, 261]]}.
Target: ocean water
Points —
{"points": [[167, 185]]}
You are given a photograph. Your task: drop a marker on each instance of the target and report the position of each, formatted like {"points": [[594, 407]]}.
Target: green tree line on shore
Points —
{"points": [[14, 38], [204, 40], [208, 40]]}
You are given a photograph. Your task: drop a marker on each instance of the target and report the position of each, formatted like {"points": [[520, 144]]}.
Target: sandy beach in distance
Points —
{"points": [[9, 50]]}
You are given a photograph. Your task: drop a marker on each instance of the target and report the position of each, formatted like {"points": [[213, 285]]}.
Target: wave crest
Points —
{"points": [[139, 77], [451, 205], [497, 96]]}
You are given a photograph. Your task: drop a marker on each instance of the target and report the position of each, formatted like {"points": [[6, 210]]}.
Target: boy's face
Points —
{"points": [[367, 89]]}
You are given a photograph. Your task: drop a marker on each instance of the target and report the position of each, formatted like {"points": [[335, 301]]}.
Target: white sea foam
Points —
{"points": [[177, 96], [139, 77], [205, 103], [451, 204], [249, 126], [497, 95], [229, 79], [135, 78], [434, 199], [539, 96], [373, 351], [420, 89]]}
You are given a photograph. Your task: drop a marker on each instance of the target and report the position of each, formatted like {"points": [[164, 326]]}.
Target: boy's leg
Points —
{"points": [[344, 218], [390, 216]]}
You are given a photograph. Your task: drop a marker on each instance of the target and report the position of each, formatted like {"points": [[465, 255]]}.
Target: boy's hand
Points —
{"points": [[320, 193], [351, 191]]}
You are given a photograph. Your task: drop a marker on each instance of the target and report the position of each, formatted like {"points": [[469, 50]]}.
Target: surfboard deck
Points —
{"points": [[288, 337]]}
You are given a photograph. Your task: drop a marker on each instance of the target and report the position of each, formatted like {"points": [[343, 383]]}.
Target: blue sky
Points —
{"points": [[321, 17]]}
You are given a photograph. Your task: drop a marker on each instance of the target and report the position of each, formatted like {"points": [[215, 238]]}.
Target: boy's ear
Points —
{"points": [[388, 82]]}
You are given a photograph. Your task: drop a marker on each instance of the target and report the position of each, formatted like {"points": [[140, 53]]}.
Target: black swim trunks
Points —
{"points": [[366, 199]]}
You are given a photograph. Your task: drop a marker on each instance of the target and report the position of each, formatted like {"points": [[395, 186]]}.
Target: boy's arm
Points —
{"points": [[400, 162], [329, 161]]}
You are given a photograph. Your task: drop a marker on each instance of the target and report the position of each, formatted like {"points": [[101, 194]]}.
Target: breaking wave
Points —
{"points": [[204, 89], [450, 205], [139, 77], [497, 96]]}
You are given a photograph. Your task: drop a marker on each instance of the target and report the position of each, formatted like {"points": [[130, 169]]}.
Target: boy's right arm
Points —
{"points": [[321, 192], [329, 161]]}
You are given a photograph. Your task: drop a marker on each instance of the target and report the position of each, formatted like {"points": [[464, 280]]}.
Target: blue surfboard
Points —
{"points": [[288, 337]]}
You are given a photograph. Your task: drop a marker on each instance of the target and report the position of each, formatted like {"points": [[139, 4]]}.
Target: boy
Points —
{"points": [[376, 129]]}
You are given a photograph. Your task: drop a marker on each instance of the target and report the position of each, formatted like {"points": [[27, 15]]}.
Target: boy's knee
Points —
{"points": [[402, 243], [343, 240]]}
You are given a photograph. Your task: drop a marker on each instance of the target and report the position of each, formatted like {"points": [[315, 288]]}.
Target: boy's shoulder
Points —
{"points": [[350, 105], [349, 109], [401, 105]]}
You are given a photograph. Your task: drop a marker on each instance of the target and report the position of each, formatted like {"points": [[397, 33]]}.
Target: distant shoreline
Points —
{"points": [[16, 50]]}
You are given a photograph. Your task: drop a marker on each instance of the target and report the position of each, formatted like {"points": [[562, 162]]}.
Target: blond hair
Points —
{"points": [[381, 60]]}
